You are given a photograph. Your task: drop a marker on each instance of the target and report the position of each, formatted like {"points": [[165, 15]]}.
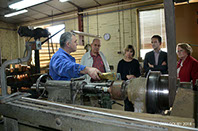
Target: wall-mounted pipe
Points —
{"points": [[119, 31], [88, 27], [15, 61], [123, 28], [3, 28], [97, 22], [85, 34]]}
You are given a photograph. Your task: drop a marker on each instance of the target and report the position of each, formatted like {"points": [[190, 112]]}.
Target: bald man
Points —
{"points": [[95, 58]]}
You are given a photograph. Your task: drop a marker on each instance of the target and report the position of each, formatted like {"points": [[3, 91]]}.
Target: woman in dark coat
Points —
{"points": [[128, 68]]}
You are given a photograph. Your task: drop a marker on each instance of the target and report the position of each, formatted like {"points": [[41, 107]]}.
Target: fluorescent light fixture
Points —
{"points": [[16, 13], [63, 0], [25, 3]]}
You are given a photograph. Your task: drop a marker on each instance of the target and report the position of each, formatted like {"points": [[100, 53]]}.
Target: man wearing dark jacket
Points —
{"points": [[156, 60]]}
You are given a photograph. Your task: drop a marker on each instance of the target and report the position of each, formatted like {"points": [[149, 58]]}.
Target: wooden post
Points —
{"points": [[171, 45]]}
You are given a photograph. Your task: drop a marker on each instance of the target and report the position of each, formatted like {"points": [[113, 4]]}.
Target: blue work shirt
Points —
{"points": [[64, 67]]}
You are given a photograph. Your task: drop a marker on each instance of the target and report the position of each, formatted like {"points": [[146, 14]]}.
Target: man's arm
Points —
{"points": [[92, 72], [66, 68], [163, 66], [146, 64]]}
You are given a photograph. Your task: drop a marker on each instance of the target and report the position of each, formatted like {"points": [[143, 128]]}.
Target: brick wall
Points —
{"points": [[12, 46], [121, 25]]}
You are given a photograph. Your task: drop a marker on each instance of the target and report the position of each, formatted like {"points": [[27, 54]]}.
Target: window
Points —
{"points": [[152, 22], [50, 47]]}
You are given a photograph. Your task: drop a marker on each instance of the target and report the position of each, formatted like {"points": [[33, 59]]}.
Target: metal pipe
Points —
{"points": [[88, 27], [15, 61], [119, 31], [3, 28], [109, 114], [85, 34], [39, 79], [52, 36]]}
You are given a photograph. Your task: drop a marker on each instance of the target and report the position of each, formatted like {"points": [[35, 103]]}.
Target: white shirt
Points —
{"points": [[156, 54]]}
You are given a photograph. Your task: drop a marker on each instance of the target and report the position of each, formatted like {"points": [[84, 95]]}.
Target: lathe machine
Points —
{"points": [[64, 110]]}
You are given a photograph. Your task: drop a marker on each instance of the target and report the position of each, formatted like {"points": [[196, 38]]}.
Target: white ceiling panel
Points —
{"points": [[61, 6], [30, 12], [85, 3], [28, 19], [43, 8], [52, 7], [38, 16]]}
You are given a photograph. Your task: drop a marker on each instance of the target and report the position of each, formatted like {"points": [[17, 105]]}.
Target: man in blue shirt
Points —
{"points": [[63, 66]]}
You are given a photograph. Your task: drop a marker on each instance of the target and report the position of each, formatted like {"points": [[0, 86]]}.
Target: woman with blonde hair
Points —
{"points": [[128, 68], [187, 67]]}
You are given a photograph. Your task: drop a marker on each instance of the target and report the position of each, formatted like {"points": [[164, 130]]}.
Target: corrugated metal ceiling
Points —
{"points": [[48, 9], [54, 8]]}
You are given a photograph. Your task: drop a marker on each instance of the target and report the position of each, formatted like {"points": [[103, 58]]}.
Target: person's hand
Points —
{"points": [[164, 63], [130, 77], [151, 66], [93, 73]]}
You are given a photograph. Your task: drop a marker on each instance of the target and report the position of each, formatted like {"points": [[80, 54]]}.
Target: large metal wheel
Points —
{"points": [[43, 77], [157, 96]]}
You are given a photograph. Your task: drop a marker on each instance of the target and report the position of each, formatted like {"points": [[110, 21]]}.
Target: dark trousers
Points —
{"points": [[128, 106]]}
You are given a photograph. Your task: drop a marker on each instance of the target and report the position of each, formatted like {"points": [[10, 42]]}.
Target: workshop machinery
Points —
{"points": [[23, 113], [150, 95]]}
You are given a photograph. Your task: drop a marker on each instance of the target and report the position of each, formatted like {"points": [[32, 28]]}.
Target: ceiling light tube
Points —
{"points": [[25, 3], [63, 0], [16, 13]]}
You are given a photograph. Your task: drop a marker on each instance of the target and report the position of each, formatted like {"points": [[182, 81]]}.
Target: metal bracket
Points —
{"points": [[14, 96]]}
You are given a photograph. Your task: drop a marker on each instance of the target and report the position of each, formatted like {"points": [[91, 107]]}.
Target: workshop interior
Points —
{"points": [[31, 100]]}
